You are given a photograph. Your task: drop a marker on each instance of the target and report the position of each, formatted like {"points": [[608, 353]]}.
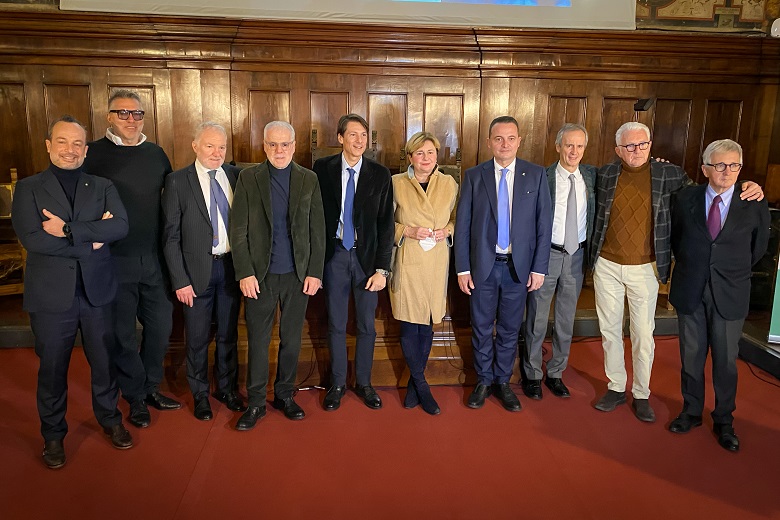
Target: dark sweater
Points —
{"points": [[138, 172], [282, 260]]}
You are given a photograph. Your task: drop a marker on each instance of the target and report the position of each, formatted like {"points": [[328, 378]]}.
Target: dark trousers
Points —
{"points": [[416, 341], [219, 302], [498, 301], [142, 295], [286, 291], [342, 275], [705, 330], [55, 333]]}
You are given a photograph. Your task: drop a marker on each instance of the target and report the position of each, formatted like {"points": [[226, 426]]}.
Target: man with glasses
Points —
{"points": [[630, 253], [358, 197], [137, 168], [277, 234], [716, 239]]}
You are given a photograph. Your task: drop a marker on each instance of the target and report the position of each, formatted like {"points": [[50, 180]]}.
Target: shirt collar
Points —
{"points": [[510, 167], [563, 173], [725, 197], [345, 164], [118, 140], [202, 170]]}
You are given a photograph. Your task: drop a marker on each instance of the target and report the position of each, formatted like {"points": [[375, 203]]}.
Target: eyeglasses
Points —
{"points": [[279, 146], [721, 167], [632, 147], [123, 114]]}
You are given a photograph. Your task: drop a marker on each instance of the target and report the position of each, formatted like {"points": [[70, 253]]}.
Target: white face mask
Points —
{"points": [[428, 243]]}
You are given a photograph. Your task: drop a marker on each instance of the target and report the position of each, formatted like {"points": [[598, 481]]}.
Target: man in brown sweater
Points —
{"points": [[630, 253]]}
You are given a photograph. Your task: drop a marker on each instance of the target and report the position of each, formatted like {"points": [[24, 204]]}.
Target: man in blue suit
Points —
{"points": [[502, 249]]}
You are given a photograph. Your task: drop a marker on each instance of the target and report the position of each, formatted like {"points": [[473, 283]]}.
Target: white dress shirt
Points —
{"points": [[344, 180], [561, 200], [205, 184], [118, 140]]}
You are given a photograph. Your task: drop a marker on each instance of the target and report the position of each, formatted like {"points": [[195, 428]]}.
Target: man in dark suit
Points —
{"points": [[196, 205], [277, 235], [716, 240], [573, 194], [64, 218], [502, 250], [357, 194]]}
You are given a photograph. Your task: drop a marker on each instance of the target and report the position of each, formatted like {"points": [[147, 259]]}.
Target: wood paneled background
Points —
{"points": [[450, 81]]}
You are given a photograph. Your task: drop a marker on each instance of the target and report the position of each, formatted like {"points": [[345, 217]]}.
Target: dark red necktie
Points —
{"points": [[713, 218]]}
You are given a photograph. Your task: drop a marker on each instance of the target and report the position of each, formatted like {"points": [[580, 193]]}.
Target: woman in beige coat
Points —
{"points": [[424, 222]]}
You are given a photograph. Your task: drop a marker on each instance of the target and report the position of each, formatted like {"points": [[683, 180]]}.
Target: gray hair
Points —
{"points": [[208, 125], [570, 127], [279, 124], [124, 93], [628, 127], [721, 146]]}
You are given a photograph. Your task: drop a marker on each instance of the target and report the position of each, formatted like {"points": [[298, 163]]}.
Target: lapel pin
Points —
{"points": [[523, 174]]}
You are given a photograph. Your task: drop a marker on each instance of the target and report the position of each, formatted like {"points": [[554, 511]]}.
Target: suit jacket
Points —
{"points": [[476, 224], [725, 262], [588, 173], [187, 235], [251, 223], [50, 277], [372, 213]]}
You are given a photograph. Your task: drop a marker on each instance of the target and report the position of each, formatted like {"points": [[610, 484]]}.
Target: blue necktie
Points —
{"points": [[503, 210], [219, 204], [348, 230]]}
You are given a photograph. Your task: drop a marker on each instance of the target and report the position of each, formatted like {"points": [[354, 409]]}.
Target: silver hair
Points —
{"points": [[721, 146], [627, 127], [208, 125], [570, 127], [279, 124], [124, 93]]}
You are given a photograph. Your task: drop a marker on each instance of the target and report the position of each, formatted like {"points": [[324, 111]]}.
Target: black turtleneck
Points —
{"points": [[68, 180]]}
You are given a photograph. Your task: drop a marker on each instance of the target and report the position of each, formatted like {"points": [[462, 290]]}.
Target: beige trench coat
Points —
{"points": [[418, 283]]}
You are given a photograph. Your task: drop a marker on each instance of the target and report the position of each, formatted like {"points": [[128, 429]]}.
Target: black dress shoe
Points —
{"points": [[139, 415], [508, 398], [478, 396], [162, 402], [53, 454], [230, 399], [333, 398], [684, 423], [250, 418], [556, 386], [203, 409], [532, 388], [290, 408], [727, 439], [120, 437], [369, 396]]}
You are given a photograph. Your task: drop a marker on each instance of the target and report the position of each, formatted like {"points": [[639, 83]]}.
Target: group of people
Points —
{"points": [[112, 235]]}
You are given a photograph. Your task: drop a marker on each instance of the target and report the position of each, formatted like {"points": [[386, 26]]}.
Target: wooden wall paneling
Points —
{"points": [[522, 106], [443, 117], [722, 120], [671, 121], [387, 116], [187, 108], [16, 146], [71, 100], [264, 107], [215, 102], [615, 112], [561, 110], [326, 108]]}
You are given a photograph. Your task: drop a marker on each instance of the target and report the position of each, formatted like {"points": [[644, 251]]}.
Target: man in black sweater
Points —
{"points": [[138, 169]]}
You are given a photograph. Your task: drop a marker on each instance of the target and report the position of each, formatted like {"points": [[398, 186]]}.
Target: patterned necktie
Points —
{"points": [[348, 229], [571, 233], [219, 204], [503, 210], [713, 218]]}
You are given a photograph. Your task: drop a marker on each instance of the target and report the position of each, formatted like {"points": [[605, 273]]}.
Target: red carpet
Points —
{"points": [[556, 459]]}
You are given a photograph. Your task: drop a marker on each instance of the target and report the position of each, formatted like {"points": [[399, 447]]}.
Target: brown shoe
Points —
{"points": [[120, 437], [53, 454]]}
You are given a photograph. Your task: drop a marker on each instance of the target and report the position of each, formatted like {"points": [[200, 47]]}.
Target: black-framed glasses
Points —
{"points": [[279, 146], [721, 167], [631, 147], [123, 114]]}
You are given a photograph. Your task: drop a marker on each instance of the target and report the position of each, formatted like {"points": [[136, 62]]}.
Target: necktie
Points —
{"points": [[713, 218], [571, 236], [348, 230], [503, 210], [218, 204]]}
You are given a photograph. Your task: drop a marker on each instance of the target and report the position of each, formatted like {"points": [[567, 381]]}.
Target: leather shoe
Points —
{"points": [[250, 418], [556, 386], [120, 437], [53, 454], [478, 396], [610, 401], [532, 388], [508, 398], [333, 398], [203, 409], [684, 423], [139, 414], [290, 408], [727, 439], [162, 402], [643, 411], [369, 396], [230, 399]]}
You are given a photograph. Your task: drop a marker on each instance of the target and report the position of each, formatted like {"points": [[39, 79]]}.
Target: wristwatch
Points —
{"points": [[67, 232], [383, 272]]}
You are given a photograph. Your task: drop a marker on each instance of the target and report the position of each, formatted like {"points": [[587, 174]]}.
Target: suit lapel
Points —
{"points": [[296, 187], [733, 217], [489, 181], [334, 172], [697, 211], [53, 188], [263, 180], [517, 189], [228, 169], [362, 189], [197, 192], [84, 192]]}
